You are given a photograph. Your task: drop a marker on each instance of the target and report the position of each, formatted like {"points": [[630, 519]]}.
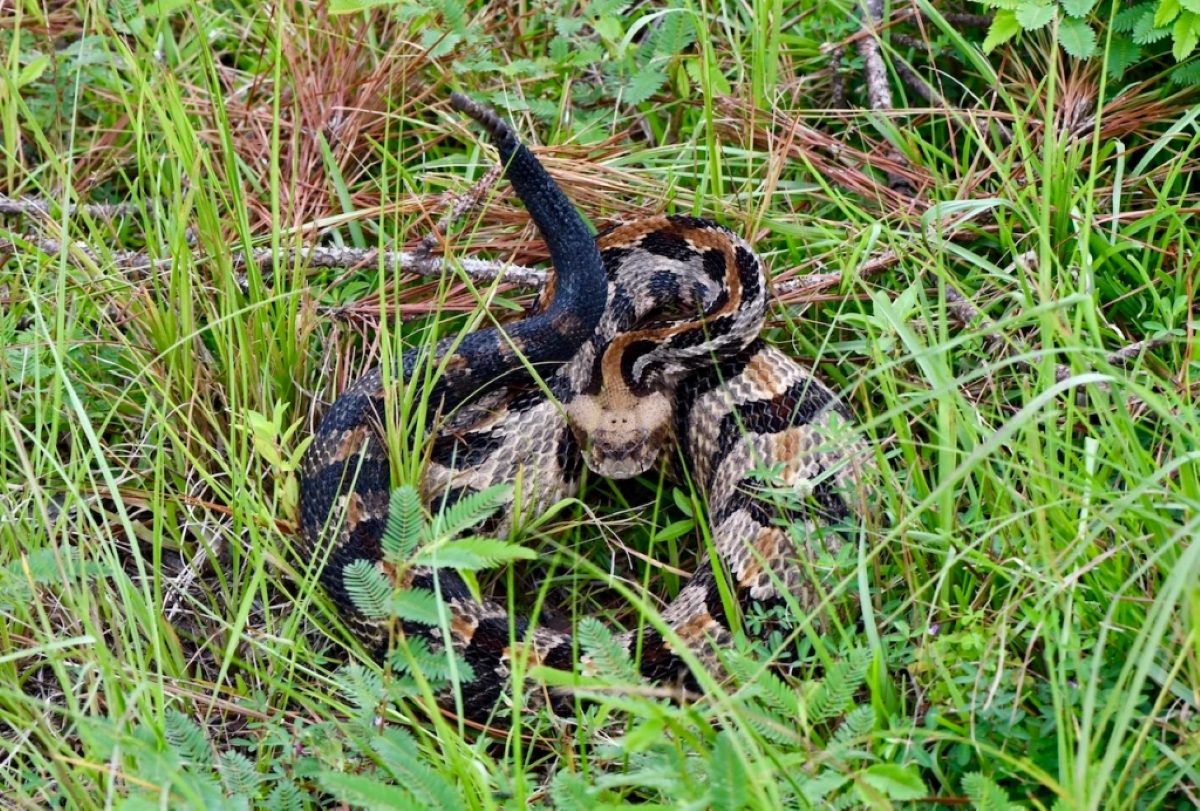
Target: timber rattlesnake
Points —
{"points": [[649, 343]]}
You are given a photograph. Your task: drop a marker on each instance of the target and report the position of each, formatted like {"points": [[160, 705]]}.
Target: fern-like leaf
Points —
{"points": [[984, 793], [779, 695], [366, 791], [285, 797], [674, 33], [775, 728], [403, 760], [726, 774], [605, 650], [470, 510], [857, 725], [570, 792], [472, 554], [454, 13], [435, 665], [1127, 19], [645, 83], [836, 690], [238, 774], [405, 525], [368, 589], [187, 739], [362, 687], [1187, 74]]}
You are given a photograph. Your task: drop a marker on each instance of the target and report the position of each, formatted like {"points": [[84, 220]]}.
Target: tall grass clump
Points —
{"points": [[996, 268]]}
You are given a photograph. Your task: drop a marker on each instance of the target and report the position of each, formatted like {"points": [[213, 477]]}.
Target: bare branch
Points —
{"points": [[40, 207], [141, 262], [879, 94]]}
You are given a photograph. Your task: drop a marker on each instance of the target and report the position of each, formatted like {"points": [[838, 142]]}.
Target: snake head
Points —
{"points": [[621, 433]]}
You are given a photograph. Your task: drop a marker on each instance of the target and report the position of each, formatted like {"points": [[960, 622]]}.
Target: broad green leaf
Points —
{"points": [[1004, 27], [1186, 34], [823, 785], [681, 501], [1077, 8], [1033, 16], [1190, 5], [1167, 10], [354, 6], [675, 530], [1077, 38], [609, 29], [263, 433], [695, 71], [646, 734], [895, 782], [33, 71]]}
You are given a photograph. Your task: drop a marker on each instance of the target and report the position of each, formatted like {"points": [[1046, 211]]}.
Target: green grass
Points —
{"points": [[1019, 620]]}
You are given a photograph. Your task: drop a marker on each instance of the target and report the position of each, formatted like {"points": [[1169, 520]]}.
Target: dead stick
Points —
{"points": [[879, 95], [141, 262], [40, 207]]}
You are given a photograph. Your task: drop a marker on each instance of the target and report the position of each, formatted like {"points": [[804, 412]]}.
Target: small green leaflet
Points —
{"points": [[1004, 27], [1186, 33], [895, 782], [472, 554], [1033, 16], [405, 524], [1077, 8], [421, 606], [368, 588], [1077, 38]]}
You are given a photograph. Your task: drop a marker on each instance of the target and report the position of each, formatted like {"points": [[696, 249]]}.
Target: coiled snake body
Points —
{"points": [[650, 343]]}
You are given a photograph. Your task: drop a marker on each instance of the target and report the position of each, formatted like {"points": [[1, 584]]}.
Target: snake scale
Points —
{"points": [[648, 347]]}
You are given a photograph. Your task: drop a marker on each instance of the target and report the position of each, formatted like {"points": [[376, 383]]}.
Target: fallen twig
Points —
{"points": [[837, 79], [462, 204], [422, 264], [879, 95], [39, 207], [141, 262]]}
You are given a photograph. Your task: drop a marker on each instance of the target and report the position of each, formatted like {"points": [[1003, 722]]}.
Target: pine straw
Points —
{"points": [[335, 94], [833, 158]]}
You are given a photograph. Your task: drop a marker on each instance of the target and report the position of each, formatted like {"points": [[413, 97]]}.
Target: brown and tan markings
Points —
{"points": [[648, 346]]}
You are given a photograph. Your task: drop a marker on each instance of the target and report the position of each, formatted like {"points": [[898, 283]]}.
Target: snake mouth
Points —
{"points": [[623, 455]]}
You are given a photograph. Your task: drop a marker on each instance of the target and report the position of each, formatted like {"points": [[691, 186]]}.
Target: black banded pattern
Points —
{"points": [[649, 344]]}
